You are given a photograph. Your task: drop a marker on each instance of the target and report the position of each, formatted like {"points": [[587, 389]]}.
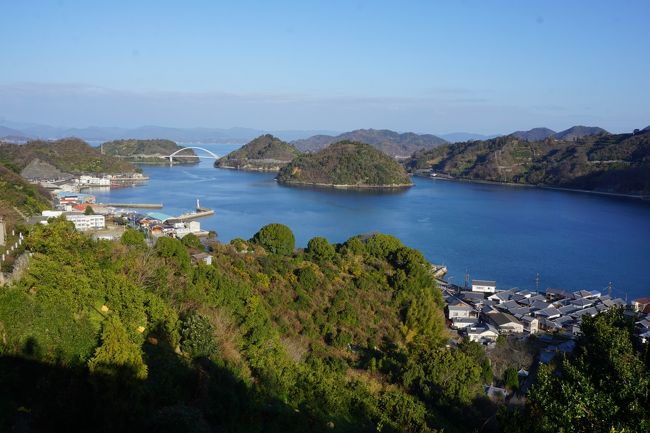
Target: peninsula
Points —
{"points": [[346, 164], [265, 153], [68, 156], [598, 162]]}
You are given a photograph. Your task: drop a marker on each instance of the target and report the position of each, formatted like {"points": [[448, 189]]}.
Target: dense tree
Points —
{"points": [[197, 336], [511, 379], [605, 387], [192, 241], [319, 249], [133, 237], [117, 352], [276, 239]]}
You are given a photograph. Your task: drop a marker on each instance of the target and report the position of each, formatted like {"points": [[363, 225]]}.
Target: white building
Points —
{"points": [[484, 286], [51, 213], [93, 181], [86, 222], [531, 324], [482, 334]]}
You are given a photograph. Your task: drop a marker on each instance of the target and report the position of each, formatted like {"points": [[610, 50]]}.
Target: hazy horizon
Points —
{"points": [[428, 68]]}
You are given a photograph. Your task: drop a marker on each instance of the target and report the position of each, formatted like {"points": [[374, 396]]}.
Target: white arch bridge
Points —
{"points": [[176, 154]]}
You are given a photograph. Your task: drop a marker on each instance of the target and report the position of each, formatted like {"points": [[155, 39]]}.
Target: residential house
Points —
{"points": [[461, 314], [505, 323], [482, 334], [202, 257], [639, 305], [484, 286], [553, 294], [531, 324]]}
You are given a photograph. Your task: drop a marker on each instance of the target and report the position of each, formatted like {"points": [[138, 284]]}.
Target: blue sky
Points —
{"points": [[427, 66]]}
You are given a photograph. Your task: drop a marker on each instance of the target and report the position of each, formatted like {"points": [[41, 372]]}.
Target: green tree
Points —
{"points": [[117, 352], [191, 240], [132, 237], [511, 378], [276, 239], [354, 245], [320, 250], [197, 336], [89, 211], [382, 246], [442, 375], [604, 387]]}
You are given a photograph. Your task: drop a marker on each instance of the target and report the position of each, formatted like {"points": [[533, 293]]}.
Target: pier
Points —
{"points": [[133, 205]]}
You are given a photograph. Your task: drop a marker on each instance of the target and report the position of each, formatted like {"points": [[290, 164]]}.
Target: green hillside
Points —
{"points": [[70, 155], [265, 153], [617, 163], [345, 164], [148, 151], [19, 198]]}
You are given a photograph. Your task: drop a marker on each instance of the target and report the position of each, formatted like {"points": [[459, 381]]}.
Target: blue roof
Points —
{"points": [[159, 216], [73, 194]]}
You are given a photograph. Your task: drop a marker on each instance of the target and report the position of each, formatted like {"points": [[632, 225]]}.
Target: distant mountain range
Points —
{"points": [[389, 142], [573, 133], [196, 135], [457, 137]]}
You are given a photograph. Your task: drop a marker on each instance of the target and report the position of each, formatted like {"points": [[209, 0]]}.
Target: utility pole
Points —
{"points": [[466, 279]]}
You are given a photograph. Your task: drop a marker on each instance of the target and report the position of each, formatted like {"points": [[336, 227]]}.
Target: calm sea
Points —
{"points": [[502, 233]]}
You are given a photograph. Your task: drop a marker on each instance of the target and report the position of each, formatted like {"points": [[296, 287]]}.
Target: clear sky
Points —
{"points": [[425, 66]]}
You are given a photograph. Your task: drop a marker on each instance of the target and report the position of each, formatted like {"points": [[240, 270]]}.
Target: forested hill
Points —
{"points": [[389, 142], [265, 153], [617, 163], [573, 133], [148, 151], [120, 336], [69, 155], [125, 337], [345, 164], [18, 198]]}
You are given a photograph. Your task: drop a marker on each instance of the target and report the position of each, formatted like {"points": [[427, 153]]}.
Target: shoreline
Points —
{"points": [[527, 185], [349, 187], [262, 170]]}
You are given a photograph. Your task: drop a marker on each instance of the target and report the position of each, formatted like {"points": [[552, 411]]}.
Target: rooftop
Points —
{"points": [[483, 283]]}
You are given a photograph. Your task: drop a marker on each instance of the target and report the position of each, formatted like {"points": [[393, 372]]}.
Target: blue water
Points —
{"points": [[508, 234]]}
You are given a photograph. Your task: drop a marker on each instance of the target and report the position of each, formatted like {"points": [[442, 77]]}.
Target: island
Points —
{"points": [[155, 151], [347, 165], [580, 158], [264, 153]]}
